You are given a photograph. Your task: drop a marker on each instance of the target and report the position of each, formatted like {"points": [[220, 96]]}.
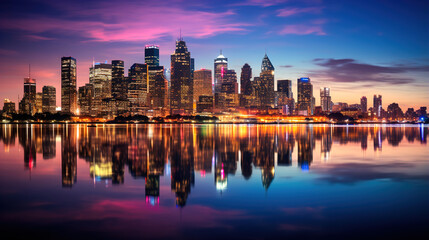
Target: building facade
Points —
{"points": [[68, 85]]}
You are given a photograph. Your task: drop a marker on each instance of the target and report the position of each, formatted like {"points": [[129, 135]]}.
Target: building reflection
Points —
{"points": [[190, 150]]}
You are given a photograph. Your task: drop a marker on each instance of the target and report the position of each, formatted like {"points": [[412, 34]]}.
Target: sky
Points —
{"points": [[357, 48]]}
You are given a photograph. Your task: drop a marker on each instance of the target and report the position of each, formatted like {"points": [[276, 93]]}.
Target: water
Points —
{"points": [[214, 181]]}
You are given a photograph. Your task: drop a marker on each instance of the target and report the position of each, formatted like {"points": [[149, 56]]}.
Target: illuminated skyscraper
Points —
{"points": [[86, 95], [68, 85], [39, 102], [267, 82], [220, 66], [28, 103], [137, 87], [157, 87], [9, 107], [181, 92], [284, 96], [49, 100], [377, 105], [202, 83], [305, 97], [364, 104], [151, 55], [119, 83], [100, 76], [325, 99]]}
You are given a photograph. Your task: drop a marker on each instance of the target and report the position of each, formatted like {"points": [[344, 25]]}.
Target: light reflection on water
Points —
{"points": [[188, 181]]}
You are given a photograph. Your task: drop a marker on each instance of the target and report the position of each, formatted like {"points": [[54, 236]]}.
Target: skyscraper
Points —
{"points": [[39, 102], [284, 96], [220, 66], [119, 83], [245, 83], [68, 85], [267, 81], [364, 104], [137, 87], [202, 83], [377, 105], [157, 87], [325, 99], [305, 96], [151, 55], [49, 101], [181, 93], [100, 76], [28, 103], [86, 94]]}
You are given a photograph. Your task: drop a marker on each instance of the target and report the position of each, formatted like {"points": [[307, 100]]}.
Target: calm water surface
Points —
{"points": [[214, 181]]}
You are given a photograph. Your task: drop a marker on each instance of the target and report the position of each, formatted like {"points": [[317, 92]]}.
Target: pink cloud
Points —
{"points": [[301, 29], [286, 12], [126, 22], [261, 3], [38, 38]]}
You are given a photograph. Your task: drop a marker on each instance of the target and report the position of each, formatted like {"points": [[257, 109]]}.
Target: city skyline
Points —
{"points": [[365, 61]]}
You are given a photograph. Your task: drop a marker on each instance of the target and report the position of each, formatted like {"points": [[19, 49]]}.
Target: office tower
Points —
{"points": [[68, 85], [119, 83], [192, 67], [245, 83], [227, 95], [267, 81], [137, 88], [377, 105], [9, 107], [100, 76], [325, 99], [49, 101], [151, 55], [284, 96], [157, 87], [86, 95], [220, 66], [28, 103], [39, 102], [364, 104], [181, 92], [202, 83], [305, 97]]}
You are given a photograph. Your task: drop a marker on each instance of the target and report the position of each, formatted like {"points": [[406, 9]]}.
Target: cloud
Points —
{"points": [[38, 38], [286, 66], [260, 3], [302, 29], [350, 70], [286, 12], [128, 23]]}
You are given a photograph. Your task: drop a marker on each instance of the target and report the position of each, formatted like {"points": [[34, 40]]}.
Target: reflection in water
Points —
{"points": [[145, 150]]}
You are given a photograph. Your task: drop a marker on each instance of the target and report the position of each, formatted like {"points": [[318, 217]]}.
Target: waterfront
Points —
{"points": [[214, 181]]}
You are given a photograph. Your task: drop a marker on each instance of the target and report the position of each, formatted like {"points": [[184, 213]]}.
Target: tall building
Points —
{"points": [[181, 92], [28, 103], [49, 100], [9, 107], [137, 88], [284, 96], [151, 55], [119, 83], [245, 83], [220, 66], [364, 104], [305, 105], [157, 87], [86, 95], [227, 97], [100, 76], [267, 81], [39, 102], [377, 107], [68, 85], [325, 99], [202, 83]]}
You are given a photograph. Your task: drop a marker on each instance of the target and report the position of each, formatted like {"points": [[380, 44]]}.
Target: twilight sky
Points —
{"points": [[354, 47]]}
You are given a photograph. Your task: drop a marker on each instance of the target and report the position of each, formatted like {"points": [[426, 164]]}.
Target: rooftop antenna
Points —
{"points": [[29, 70], [180, 34], [221, 52]]}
